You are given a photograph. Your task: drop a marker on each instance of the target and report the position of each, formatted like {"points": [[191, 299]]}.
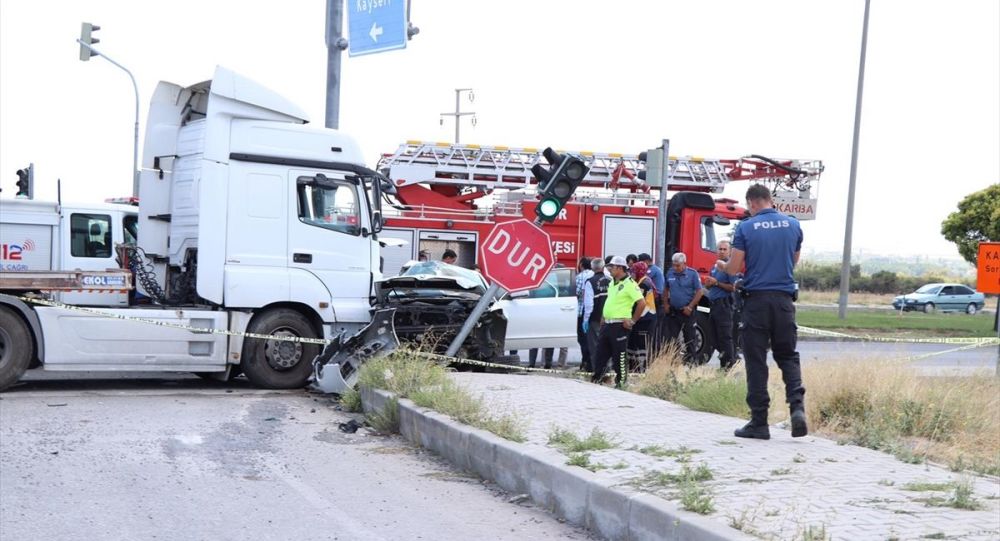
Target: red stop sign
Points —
{"points": [[517, 255]]}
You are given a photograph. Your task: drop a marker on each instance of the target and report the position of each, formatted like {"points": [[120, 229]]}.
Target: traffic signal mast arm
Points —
{"points": [[450, 169]]}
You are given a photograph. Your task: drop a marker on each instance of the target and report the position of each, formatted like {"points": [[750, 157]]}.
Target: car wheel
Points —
{"points": [[971, 309], [274, 364], [929, 308]]}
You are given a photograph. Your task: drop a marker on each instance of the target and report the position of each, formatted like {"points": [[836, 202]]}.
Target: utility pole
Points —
{"points": [[335, 45], [458, 114], [87, 50], [845, 269]]}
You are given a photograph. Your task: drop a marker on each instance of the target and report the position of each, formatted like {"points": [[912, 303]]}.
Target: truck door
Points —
{"points": [[88, 240], [331, 239]]}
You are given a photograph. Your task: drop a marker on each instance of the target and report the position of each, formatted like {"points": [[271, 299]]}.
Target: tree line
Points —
{"points": [[827, 277]]}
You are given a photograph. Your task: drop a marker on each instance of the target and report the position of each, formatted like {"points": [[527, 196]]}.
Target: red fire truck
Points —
{"points": [[450, 196]]}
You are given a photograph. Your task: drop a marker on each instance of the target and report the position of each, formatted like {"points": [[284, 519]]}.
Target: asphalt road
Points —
{"points": [[180, 458]]}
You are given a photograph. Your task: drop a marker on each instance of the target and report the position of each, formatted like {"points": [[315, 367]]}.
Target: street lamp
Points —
{"points": [[87, 50]]}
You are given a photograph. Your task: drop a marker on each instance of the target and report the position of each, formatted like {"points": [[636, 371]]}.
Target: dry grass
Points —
{"points": [[407, 375], [812, 296], [885, 405], [882, 405]]}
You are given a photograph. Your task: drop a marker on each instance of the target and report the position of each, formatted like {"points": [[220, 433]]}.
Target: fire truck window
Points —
{"points": [[332, 205], [130, 225], [90, 235], [708, 234]]}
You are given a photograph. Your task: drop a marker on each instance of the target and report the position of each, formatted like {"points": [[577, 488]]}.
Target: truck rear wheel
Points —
{"points": [[278, 364], [15, 347]]}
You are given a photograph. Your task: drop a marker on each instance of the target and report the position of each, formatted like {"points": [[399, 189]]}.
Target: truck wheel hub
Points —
{"points": [[283, 355]]}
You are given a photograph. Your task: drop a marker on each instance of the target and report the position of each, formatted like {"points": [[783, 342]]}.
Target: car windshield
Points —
{"points": [[929, 289]]}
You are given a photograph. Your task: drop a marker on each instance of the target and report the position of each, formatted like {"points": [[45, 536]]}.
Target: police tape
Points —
{"points": [[202, 330], [971, 341]]}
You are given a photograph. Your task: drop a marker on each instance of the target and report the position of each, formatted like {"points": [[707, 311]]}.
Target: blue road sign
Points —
{"points": [[375, 26]]}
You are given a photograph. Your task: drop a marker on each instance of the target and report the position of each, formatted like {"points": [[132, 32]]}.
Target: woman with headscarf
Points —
{"points": [[640, 338]]}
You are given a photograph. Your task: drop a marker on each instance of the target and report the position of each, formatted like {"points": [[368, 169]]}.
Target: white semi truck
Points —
{"points": [[250, 220]]}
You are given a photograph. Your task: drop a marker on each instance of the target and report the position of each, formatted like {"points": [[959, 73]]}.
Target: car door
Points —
{"points": [[331, 240], [964, 297], [544, 317], [946, 298]]}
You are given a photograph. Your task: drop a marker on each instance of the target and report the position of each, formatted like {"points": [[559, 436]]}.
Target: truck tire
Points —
{"points": [[273, 364], [15, 347], [704, 343]]}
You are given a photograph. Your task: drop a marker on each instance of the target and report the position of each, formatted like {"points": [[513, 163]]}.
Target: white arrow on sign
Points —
{"points": [[376, 31]]}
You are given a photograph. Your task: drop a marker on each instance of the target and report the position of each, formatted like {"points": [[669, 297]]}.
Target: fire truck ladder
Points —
{"points": [[507, 167]]}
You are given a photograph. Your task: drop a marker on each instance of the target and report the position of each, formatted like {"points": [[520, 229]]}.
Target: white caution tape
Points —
{"points": [[972, 341]]}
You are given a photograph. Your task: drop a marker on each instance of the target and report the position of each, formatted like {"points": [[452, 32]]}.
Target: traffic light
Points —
{"points": [[25, 180], [655, 171], [86, 38], [557, 184]]}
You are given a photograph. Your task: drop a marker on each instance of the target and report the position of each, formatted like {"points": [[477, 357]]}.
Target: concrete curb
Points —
{"points": [[571, 493]]}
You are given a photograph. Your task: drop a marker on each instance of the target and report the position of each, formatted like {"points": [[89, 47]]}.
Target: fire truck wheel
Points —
{"points": [[15, 347], [704, 341], [278, 364]]}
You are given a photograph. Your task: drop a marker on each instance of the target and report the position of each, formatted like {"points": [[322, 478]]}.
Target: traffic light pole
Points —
{"points": [[335, 45], [661, 226], [135, 142]]}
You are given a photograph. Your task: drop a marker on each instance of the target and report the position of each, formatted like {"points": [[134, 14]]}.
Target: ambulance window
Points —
{"points": [[90, 235], [130, 225], [330, 204]]}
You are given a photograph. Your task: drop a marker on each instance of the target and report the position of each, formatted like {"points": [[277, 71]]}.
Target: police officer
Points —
{"points": [[769, 242], [720, 296], [595, 292], [623, 307], [683, 293]]}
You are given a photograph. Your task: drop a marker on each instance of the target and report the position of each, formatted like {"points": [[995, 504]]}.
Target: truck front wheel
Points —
{"points": [[15, 347], [279, 364]]}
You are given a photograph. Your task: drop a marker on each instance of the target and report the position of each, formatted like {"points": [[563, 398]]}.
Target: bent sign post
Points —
{"points": [[988, 278], [516, 255]]}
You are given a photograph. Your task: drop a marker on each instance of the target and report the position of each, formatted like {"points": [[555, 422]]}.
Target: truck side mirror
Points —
{"points": [[377, 221]]}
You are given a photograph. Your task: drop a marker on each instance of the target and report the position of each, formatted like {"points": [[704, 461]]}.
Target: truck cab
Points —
{"points": [[251, 221]]}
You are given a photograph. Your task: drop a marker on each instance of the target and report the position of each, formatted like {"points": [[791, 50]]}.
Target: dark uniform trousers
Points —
{"points": [[611, 343], [722, 322], [769, 319], [676, 323]]}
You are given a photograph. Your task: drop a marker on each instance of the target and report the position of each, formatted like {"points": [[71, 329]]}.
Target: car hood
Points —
{"points": [[435, 275]]}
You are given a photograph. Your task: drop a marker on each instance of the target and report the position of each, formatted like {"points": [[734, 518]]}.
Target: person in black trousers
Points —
{"points": [[769, 243]]}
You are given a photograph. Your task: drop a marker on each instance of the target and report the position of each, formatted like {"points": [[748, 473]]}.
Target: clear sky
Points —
{"points": [[718, 78]]}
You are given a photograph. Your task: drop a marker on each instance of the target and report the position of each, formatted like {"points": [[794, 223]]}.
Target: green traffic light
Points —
{"points": [[548, 208]]}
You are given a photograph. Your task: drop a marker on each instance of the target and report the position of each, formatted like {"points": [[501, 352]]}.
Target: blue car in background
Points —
{"points": [[944, 297]]}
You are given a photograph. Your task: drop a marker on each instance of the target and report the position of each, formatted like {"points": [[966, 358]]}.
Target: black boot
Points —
{"points": [[751, 430], [798, 420]]}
